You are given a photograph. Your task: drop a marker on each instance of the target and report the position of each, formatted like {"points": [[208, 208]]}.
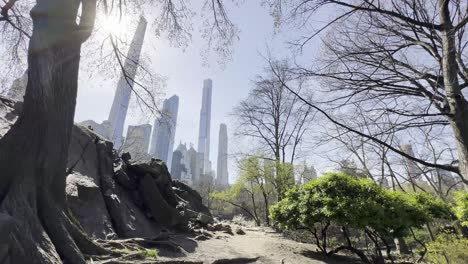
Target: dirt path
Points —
{"points": [[266, 244]]}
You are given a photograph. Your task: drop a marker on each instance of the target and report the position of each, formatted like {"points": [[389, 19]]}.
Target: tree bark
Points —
{"points": [[33, 154], [456, 102]]}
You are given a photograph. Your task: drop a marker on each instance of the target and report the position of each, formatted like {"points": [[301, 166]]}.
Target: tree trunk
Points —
{"points": [[456, 102], [267, 212], [33, 154]]}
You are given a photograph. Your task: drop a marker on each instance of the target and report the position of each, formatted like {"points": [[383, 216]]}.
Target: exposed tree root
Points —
{"points": [[143, 243]]}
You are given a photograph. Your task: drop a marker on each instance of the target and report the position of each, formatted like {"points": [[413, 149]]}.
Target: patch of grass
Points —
{"points": [[140, 254], [150, 253], [123, 251]]}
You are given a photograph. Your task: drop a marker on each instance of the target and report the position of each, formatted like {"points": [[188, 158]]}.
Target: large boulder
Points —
{"points": [[189, 198], [86, 202], [129, 219], [86, 167]]}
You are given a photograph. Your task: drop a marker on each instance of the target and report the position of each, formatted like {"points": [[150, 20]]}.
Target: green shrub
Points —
{"points": [[337, 199], [448, 248], [461, 207]]}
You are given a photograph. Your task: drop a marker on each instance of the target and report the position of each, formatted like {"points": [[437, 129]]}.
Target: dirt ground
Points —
{"points": [[258, 242]]}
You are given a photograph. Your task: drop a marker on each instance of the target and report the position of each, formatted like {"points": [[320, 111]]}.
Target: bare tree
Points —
{"points": [[34, 152], [404, 57], [274, 118]]}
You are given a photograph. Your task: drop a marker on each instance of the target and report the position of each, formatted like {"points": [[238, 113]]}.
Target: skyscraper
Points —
{"points": [[194, 164], [162, 140], [222, 171], [123, 92], [205, 123], [412, 168], [181, 169], [137, 141]]}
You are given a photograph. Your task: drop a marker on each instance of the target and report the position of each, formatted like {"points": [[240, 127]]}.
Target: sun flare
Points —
{"points": [[114, 25]]}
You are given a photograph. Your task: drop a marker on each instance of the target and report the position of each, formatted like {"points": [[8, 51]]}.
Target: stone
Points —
{"points": [[129, 219], [202, 237], [191, 198], [125, 180], [204, 219], [86, 202], [6, 226], [239, 231], [157, 205], [158, 171]]}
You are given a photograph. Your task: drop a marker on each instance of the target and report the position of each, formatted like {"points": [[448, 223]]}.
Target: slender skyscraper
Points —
{"points": [[124, 87], [222, 171], [162, 141], [412, 168], [205, 123]]}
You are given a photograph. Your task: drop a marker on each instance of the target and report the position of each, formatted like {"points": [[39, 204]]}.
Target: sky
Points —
{"points": [[185, 71]]}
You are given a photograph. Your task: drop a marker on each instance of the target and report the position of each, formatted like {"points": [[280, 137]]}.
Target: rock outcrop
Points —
{"points": [[110, 196], [6, 225]]}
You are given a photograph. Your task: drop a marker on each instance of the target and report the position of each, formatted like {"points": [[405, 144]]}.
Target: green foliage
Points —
{"points": [[461, 207], [254, 189], [287, 213], [141, 253], [448, 248], [356, 203], [150, 253]]}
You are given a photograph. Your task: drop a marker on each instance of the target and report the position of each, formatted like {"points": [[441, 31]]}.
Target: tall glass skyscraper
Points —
{"points": [[162, 140], [205, 124], [222, 164], [123, 92]]}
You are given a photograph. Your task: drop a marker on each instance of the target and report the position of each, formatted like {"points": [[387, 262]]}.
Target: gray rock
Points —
{"points": [[129, 220], [189, 197], [160, 209], [86, 166], [125, 180], [204, 219], [87, 205], [6, 226], [161, 176], [239, 231]]}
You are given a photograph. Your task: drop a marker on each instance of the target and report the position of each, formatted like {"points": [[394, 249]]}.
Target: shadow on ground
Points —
{"points": [[186, 245], [336, 259]]}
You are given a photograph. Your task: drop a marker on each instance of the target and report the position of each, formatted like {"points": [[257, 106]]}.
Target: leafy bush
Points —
{"points": [[461, 207], [342, 200], [448, 248]]}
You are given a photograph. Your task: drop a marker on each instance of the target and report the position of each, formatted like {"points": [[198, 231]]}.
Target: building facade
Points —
{"points": [[412, 169], [162, 140], [222, 178], [181, 169], [205, 125], [137, 141]]}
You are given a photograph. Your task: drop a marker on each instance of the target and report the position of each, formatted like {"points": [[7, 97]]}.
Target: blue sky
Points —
{"points": [[185, 72]]}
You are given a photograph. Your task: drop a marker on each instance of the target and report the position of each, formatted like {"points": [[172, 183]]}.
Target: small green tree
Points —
{"points": [[448, 248], [347, 202], [254, 190], [461, 207]]}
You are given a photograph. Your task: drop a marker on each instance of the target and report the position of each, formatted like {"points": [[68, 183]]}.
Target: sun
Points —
{"points": [[114, 25]]}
